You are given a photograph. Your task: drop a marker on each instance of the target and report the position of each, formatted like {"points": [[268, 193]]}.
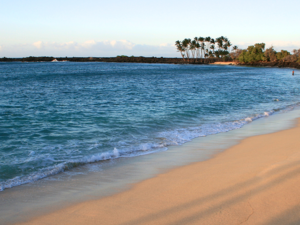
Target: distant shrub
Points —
{"points": [[256, 53], [119, 56], [270, 54], [283, 53], [297, 55], [235, 55], [290, 58], [253, 54]]}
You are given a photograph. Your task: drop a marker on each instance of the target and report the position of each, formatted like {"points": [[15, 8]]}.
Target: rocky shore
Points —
{"points": [[140, 59], [273, 64]]}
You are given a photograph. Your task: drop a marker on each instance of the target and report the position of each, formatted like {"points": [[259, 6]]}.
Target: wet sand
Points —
{"points": [[254, 182]]}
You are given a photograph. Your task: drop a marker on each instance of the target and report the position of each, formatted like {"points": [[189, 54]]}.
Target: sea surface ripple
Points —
{"points": [[55, 116]]}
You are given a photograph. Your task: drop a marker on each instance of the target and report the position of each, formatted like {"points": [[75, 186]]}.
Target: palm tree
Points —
{"points": [[197, 45], [220, 43], [180, 48], [201, 39], [225, 52], [193, 48], [189, 41], [221, 52], [212, 47], [207, 39], [203, 48], [234, 55], [229, 44], [225, 47], [186, 45]]}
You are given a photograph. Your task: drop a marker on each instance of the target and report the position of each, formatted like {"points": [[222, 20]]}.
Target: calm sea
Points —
{"points": [[56, 116]]}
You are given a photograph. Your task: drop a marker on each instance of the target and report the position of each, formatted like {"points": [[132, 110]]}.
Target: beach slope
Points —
{"points": [[254, 182]]}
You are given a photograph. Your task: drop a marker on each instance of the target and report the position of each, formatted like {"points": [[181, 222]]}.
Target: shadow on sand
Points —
{"points": [[253, 186]]}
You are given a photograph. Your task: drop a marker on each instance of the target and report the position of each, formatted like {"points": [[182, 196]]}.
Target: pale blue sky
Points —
{"points": [[149, 28]]}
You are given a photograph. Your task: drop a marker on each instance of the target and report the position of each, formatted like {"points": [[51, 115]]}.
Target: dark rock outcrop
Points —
{"points": [[141, 59], [115, 59], [273, 64]]}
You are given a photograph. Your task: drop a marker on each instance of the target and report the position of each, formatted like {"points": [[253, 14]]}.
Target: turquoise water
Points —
{"points": [[56, 116]]}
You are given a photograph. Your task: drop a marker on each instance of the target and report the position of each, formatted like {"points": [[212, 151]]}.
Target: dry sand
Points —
{"points": [[254, 182], [224, 63]]}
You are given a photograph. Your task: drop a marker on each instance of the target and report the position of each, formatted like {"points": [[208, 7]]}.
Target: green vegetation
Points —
{"points": [[201, 47], [119, 56], [208, 47], [257, 53], [282, 54], [253, 54]]}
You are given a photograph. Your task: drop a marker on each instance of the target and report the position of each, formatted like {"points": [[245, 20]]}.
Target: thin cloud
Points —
{"points": [[88, 44], [107, 48], [284, 45], [38, 44]]}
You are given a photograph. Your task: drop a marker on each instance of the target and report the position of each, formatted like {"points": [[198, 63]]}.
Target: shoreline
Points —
{"points": [[120, 59], [31, 200], [224, 63], [154, 60], [250, 181]]}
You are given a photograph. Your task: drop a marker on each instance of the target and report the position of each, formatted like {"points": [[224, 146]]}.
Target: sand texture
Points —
{"points": [[223, 63], [254, 182]]}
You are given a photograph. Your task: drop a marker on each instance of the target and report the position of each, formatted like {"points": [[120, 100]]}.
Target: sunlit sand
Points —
{"points": [[254, 182]]}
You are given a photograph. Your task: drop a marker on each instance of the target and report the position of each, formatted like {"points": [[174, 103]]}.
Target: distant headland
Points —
{"points": [[219, 49], [140, 59], [121, 58], [200, 50]]}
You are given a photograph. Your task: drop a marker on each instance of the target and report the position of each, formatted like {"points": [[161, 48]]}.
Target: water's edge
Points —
{"points": [[24, 202], [76, 115]]}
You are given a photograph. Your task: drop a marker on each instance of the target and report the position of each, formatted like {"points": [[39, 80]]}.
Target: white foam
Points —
{"points": [[248, 119], [116, 153], [32, 177], [160, 143]]}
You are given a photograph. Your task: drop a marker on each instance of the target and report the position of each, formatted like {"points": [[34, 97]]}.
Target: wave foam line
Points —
{"points": [[167, 138]]}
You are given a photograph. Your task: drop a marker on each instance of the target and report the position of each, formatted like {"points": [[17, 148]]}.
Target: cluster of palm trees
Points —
{"points": [[202, 47]]}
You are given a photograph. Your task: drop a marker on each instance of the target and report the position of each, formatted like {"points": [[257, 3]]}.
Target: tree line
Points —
{"points": [[201, 47], [220, 47], [258, 53]]}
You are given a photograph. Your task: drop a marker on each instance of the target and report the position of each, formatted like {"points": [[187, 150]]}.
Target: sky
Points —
{"points": [[100, 28]]}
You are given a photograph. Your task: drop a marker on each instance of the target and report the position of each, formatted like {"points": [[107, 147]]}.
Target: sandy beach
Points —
{"points": [[254, 182], [223, 63]]}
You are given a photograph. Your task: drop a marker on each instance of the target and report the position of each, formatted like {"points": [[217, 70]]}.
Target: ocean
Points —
{"points": [[58, 116]]}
